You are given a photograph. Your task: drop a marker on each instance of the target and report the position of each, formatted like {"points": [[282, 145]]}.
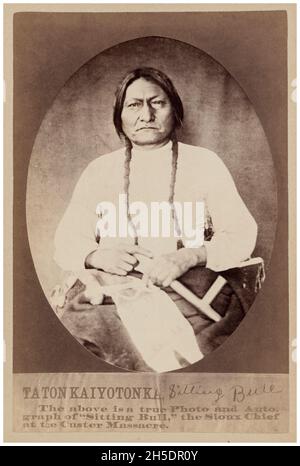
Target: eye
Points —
{"points": [[158, 103], [133, 105]]}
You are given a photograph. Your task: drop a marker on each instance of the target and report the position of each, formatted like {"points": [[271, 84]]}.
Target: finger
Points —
{"points": [[129, 259], [153, 277], [125, 266], [171, 276], [132, 249], [160, 276], [167, 281], [144, 252], [152, 281], [157, 275]]}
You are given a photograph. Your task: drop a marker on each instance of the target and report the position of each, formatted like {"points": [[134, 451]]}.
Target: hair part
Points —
{"points": [[157, 77]]}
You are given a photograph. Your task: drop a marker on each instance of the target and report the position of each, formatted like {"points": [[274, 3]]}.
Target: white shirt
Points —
{"points": [[201, 177]]}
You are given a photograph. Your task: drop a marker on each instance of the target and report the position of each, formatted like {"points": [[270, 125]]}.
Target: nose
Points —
{"points": [[147, 113]]}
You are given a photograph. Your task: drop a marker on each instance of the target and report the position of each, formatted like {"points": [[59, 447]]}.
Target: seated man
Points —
{"points": [[153, 168]]}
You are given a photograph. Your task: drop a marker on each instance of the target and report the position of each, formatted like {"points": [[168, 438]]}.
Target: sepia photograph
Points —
{"points": [[151, 210], [162, 254]]}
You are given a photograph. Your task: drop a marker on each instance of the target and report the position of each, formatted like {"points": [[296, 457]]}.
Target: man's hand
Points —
{"points": [[119, 261], [169, 267]]}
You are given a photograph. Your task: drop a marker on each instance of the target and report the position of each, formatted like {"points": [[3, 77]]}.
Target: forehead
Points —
{"points": [[142, 87]]}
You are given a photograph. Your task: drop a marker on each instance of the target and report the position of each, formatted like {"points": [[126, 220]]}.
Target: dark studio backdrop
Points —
{"points": [[219, 115]]}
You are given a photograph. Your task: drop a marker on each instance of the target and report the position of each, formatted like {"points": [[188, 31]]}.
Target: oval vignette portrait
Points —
{"points": [[151, 205]]}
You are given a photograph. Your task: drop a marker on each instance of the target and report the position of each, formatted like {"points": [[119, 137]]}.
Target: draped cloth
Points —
{"points": [[99, 328]]}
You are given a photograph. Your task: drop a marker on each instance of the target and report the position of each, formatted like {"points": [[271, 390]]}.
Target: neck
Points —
{"points": [[149, 146]]}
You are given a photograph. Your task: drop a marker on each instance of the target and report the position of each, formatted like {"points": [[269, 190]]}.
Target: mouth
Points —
{"points": [[147, 128]]}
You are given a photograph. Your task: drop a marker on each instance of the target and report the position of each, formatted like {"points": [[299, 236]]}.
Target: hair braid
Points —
{"points": [[128, 156], [172, 188]]}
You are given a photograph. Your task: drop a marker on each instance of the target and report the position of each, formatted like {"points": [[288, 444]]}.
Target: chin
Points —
{"points": [[146, 142], [143, 141]]}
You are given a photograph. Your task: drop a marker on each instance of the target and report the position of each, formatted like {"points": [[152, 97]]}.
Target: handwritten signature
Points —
{"points": [[237, 393]]}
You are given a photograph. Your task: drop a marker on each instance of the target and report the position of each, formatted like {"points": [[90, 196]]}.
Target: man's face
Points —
{"points": [[147, 114]]}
